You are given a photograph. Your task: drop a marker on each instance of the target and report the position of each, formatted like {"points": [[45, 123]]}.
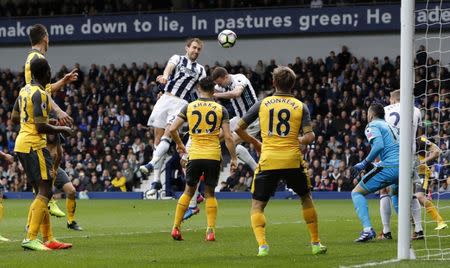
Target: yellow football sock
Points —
{"points": [[310, 217], [182, 206], [71, 205], [211, 211], [259, 227], [38, 208], [46, 227], [432, 211], [1, 209]]}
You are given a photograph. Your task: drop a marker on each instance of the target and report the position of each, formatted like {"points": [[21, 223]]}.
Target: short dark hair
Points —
{"points": [[377, 109], [40, 70], [37, 33], [218, 73], [283, 78], [206, 84]]}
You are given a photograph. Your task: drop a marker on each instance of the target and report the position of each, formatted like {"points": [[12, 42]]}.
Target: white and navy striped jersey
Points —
{"points": [[392, 116], [248, 97], [185, 77]]}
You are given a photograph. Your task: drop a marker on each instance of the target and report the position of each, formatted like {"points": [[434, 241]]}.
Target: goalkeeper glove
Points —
{"points": [[356, 169]]}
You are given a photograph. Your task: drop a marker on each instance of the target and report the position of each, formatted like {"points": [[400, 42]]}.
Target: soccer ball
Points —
{"points": [[227, 38]]}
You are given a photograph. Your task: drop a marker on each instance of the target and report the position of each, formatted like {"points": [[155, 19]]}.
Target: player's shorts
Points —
{"points": [[61, 178], [380, 177], [197, 167], [37, 165], [265, 182], [165, 111], [421, 183], [253, 129]]}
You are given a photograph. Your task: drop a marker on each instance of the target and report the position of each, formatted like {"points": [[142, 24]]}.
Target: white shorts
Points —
{"points": [[252, 130], [165, 111]]}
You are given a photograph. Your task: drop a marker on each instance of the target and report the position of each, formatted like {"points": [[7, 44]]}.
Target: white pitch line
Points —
{"points": [[368, 264]]}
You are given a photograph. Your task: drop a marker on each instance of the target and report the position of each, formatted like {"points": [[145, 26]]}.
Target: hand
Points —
{"points": [[356, 169], [71, 77], [53, 121], [9, 158], [233, 164], [66, 131], [161, 79], [181, 149], [64, 119]]}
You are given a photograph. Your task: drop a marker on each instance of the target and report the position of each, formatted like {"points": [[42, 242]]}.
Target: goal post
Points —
{"points": [[407, 21]]}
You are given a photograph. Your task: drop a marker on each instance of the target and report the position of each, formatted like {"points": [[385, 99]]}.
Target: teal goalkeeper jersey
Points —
{"points": [[390, 136]]}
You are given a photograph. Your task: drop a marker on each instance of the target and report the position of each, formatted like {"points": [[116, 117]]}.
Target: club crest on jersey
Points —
{"points": [[369, 134], [188, 71]]}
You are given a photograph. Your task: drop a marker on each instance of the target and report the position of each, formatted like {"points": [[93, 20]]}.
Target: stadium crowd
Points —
{"points": [[9, 8], [111, 105]]}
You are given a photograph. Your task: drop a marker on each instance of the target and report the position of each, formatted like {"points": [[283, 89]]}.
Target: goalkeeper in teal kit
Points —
{"points": [[384, 141]]}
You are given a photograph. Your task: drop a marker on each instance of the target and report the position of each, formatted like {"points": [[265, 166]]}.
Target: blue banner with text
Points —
{"points": [[209, 23]]}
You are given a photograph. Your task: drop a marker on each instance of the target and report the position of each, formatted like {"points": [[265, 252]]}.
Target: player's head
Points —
{"points": [[206, 87], [220, 76], [283, 79], [193, 48], [41, 72], [395, 96], [39, 35], [376, 111]]}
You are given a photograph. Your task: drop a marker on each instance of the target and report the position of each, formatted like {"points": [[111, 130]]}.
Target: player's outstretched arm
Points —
{"points": [[434, 151], [235, 93], [307, 138], [63, 116], [70, 77], [162, 79]]}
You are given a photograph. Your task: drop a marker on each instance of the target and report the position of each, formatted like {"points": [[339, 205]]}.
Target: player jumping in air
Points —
{"points": [[180, 78], [205, 119], [282, 118]]}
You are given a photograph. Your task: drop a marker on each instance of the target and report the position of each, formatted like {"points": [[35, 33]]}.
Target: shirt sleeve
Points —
{"points": [[225, 115], [306, 120], [372, 132], [40, 107], [183, 112], [175, 59], [250, 116]]}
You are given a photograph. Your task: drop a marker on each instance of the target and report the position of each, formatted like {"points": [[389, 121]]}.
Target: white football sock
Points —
{"points": [[161, 149], [416, 211], [385, 212], [243, 154]]}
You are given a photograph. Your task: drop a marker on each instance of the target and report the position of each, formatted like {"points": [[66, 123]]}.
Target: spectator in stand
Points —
{"points": [[118, 182], [94, 185], [241, 186]]}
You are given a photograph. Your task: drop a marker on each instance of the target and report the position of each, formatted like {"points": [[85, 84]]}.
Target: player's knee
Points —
{"points": [[166, 138], [209, 191], [70, 190]]}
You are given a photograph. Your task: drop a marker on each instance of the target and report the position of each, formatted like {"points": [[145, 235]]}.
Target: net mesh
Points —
{"points": [[432, 97]]}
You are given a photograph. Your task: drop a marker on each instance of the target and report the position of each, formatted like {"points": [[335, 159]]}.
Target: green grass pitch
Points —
{"points": [[136, 233]]}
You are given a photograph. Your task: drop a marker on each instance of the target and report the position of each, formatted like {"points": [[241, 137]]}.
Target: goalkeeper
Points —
{"points": [[384, 141]]}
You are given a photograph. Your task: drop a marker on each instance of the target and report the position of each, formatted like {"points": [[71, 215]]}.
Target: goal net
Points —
{"points": [[432, 96]]}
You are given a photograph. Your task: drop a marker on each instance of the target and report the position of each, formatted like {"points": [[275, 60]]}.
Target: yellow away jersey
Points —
{"points": [[205, 118], [281, 118], [423, 144], [33, 106], [32, 55]]}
